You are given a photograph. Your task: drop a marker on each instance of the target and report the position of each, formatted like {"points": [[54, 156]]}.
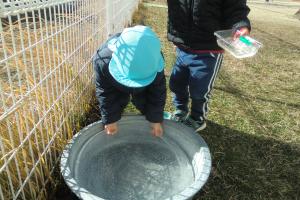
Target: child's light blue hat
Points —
{"points": [[136, 57]]}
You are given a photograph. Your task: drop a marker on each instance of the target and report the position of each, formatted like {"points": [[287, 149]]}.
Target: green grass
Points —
{"points": [[254, 118]]}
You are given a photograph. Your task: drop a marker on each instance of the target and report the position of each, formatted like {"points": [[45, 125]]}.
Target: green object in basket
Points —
{"points": [[245, 40], [242, 47]]}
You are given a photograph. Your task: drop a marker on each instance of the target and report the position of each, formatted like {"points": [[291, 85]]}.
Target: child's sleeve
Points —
{"points": [[112, 102], [156, 99], [235, 14]]}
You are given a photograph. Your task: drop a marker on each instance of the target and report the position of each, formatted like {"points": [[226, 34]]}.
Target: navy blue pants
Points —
{"points": [[193, 76]]}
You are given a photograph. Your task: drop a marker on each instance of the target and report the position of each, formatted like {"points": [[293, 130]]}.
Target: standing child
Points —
{"points": [[191, 27], [130, 65]]}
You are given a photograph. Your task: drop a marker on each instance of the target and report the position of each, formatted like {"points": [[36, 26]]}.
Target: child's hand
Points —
{"points": [[241, 32], [156, 129], [111, 129]]}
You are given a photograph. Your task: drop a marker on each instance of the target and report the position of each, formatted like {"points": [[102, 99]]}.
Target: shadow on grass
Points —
{"points": [[250, 167], [238, 93], [63, 192]]}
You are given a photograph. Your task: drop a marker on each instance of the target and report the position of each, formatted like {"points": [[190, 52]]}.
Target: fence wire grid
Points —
{"points": [[46, 82]]}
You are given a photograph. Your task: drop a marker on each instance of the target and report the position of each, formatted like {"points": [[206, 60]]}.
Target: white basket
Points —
{"points": [[241, 47]]}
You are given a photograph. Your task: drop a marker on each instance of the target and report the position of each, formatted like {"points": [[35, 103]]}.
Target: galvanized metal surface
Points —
{"points": [[135, 165]]}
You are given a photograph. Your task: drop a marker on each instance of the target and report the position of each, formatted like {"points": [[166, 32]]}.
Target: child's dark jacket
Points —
{"points": [[113, 96], [192, 23]]}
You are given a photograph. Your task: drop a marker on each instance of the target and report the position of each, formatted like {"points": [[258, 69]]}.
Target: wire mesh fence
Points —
{"points": [[46, 82]]}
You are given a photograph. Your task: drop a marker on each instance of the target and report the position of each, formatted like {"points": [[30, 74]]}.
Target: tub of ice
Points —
{"points": [[133, 164]]}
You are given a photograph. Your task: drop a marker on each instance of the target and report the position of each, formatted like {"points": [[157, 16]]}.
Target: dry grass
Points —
{"points": [[51, 109]]}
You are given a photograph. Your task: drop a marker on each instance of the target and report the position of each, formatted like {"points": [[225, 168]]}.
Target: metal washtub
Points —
{"points": [[135, 165]]}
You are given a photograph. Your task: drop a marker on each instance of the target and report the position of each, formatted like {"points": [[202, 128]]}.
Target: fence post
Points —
{"points": [[109, 21]]}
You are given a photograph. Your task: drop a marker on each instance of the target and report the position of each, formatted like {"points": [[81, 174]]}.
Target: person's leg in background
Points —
{"points": [[204, 68], [179, 86]]}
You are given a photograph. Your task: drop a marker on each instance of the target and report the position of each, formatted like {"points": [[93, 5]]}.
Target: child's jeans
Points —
{"points": [[194, 75]]}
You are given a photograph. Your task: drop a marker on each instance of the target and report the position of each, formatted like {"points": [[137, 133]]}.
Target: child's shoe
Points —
{"points": [[179, 116], [198, 125]]}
